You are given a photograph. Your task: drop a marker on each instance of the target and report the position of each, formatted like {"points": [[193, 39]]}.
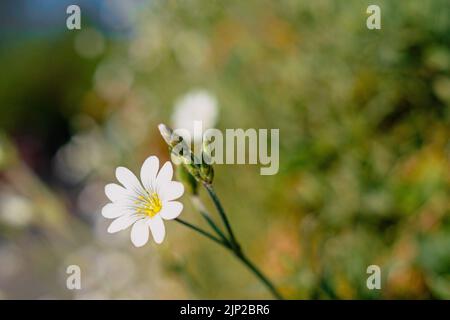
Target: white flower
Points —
{"points": [[145, 205], [15, 210], [198, 105]]}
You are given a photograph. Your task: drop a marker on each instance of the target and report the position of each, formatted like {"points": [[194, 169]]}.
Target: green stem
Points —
{"points": [[201, 208], [239, 254], [203, 232], [222, 214], [235, 247], [259, 274]]}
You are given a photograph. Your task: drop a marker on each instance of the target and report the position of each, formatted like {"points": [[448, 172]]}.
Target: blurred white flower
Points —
{"points": [[85, 153], [198, 105], [15, 210], [143, 205]]}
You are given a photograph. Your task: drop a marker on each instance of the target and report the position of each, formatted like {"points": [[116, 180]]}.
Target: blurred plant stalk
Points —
{"points": [[51, 213], [193, 172]]}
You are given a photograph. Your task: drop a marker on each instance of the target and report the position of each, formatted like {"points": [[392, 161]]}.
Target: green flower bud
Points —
{"points": [[189, 182], [207, 173]]}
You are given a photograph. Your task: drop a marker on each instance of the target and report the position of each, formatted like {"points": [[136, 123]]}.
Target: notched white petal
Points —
{"points": [[171, 190], [149, 171], [157, 228], [121, 223], [165, 174], [140, 233], [114, 192], [112, 211], [171, 210], [128, 180]]}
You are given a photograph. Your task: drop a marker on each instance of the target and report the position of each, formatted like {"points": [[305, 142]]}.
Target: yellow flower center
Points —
{"points": [[149, 205]]}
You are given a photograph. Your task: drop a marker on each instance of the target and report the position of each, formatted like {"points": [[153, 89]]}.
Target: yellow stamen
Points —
{"points": [[149, 205]]}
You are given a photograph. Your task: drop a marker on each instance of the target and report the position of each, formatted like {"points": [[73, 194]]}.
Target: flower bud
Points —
{"points": [[189, 182], [180, 150], [169, 136], [207, 173]]}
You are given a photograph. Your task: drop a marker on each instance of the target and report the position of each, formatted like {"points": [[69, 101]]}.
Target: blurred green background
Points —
{"points": [[364, 145]]}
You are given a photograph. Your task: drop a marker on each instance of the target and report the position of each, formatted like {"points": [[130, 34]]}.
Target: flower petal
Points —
{"points": [[157, 228], [122, 223], [171, 190], [129, 180], [171, 210], [165, 174], [148, 172], [139, 233], [113, 210], [115, 192]]}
